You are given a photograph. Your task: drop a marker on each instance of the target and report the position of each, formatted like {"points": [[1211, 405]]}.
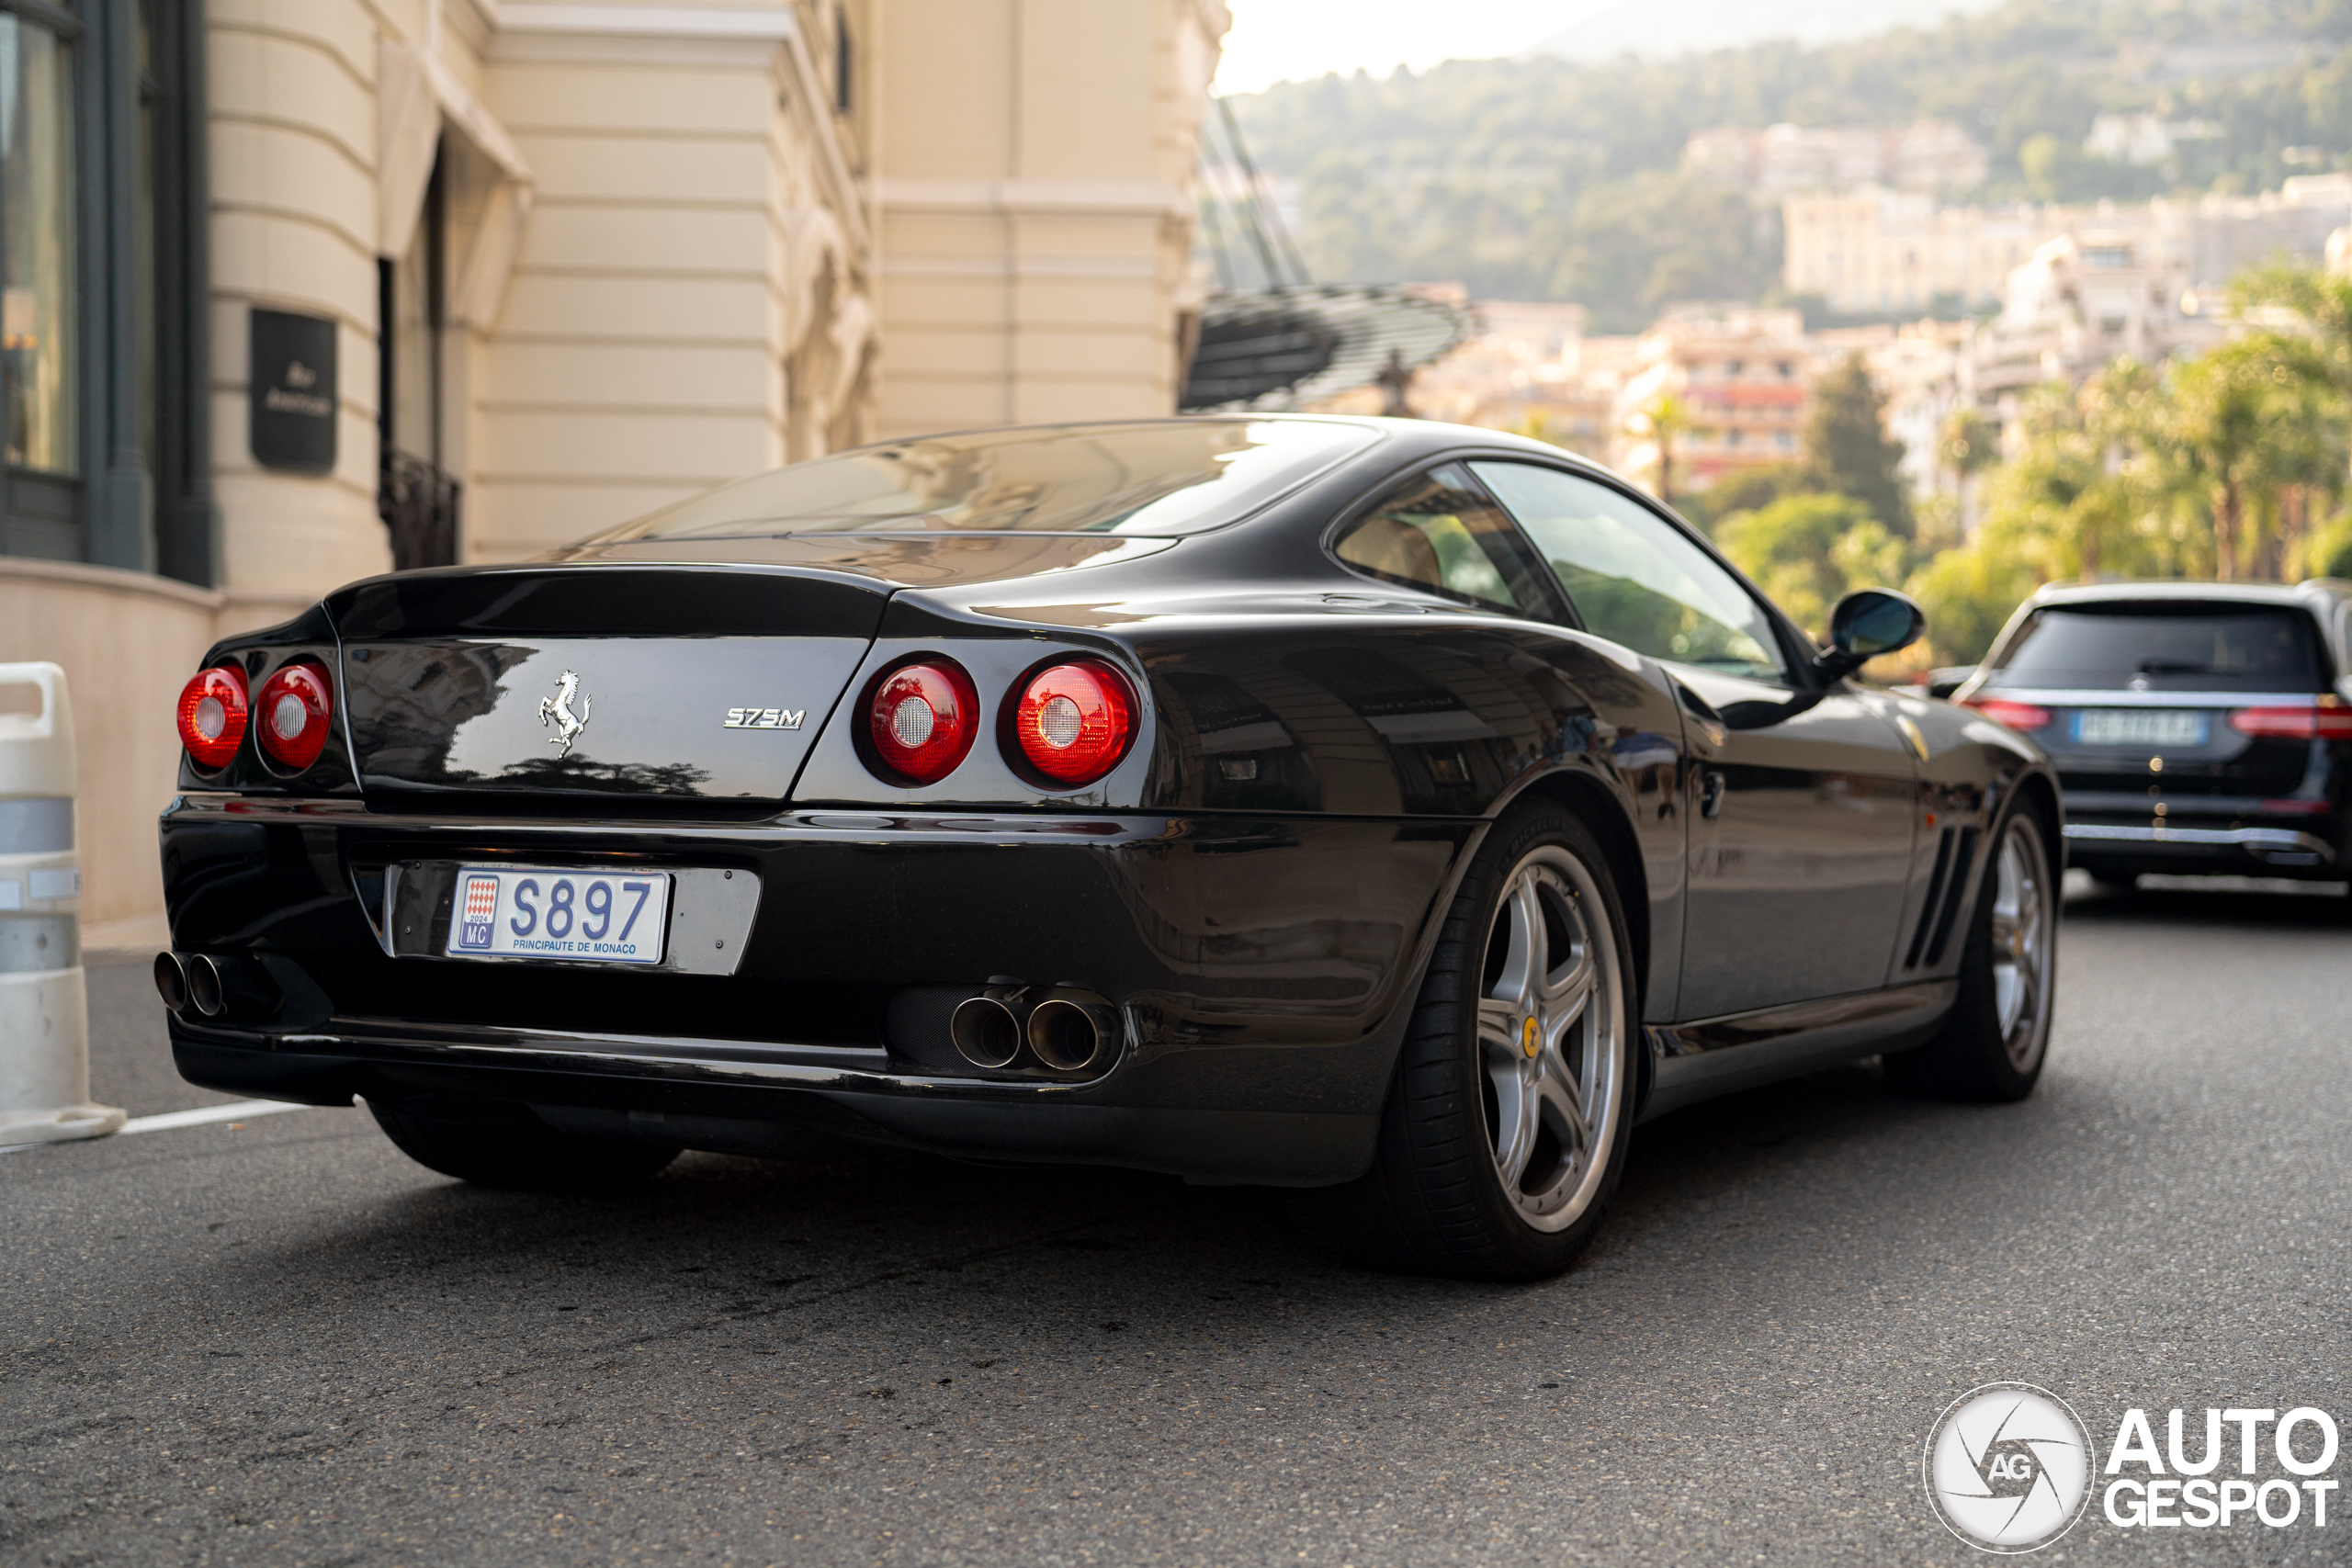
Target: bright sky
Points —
{"points": [[1289, 40]]}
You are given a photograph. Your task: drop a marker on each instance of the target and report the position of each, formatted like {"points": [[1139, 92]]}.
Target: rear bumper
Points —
{"points": [[1260, 969], [2270, 852], [767, 1108]]}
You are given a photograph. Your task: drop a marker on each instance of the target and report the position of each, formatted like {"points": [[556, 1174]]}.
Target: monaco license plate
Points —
{"points": [[593, 917], [2139, 727]]}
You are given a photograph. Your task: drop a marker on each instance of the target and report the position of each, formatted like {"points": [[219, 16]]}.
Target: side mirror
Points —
{"points": [[1865, 624]]}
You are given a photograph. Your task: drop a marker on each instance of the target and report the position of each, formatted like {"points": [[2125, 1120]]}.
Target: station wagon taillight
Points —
{"points": [[296, 710], [1074, 721], [2016, 716], [212, 715], [2332, 720], [923, 719]]}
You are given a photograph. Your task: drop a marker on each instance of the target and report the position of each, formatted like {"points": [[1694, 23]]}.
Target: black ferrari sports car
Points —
{"points": [[1389, 812]]}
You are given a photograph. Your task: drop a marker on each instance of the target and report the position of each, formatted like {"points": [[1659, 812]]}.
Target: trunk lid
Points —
{"points": [[660, 683]]}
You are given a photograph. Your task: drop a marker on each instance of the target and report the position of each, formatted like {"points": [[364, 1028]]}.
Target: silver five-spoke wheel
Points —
{"points": [[2022, 922], [1550, 1015]]}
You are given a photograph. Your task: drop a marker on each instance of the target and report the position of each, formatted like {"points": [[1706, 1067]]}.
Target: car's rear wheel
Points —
{"points": [[494, 1145], [1507, 1121], [1992, 1045]]}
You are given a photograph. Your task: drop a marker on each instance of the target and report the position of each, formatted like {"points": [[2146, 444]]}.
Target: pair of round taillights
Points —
{"points": [[295, 709], [1071, 723]]}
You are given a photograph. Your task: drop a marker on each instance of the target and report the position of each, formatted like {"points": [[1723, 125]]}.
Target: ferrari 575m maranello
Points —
{"points": [[1391, 813]]}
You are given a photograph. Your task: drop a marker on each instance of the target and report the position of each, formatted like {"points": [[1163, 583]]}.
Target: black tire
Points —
{"points": [[1436, 1200], [494, 1145], [1984, 1052]]}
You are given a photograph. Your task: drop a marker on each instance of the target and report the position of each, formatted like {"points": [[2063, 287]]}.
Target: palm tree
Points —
{"points": [[1967, 444], [2244, 422], [1664, 418], [2320, 301]]}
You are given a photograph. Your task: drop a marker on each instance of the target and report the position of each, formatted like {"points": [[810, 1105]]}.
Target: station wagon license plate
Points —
{"points": [[595, 917], [2139, 726]]}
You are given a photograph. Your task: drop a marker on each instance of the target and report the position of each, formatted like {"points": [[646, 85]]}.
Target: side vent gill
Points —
{"points": [[1953, 889], [1927, 906]]}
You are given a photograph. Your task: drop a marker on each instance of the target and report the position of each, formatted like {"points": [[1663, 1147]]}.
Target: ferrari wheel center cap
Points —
{"points": [[1527, 1037]]}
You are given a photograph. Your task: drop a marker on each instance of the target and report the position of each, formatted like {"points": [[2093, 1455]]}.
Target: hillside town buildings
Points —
{"points": [[1877, 251], [1926, 155], [419, 281], [1742, 382]]}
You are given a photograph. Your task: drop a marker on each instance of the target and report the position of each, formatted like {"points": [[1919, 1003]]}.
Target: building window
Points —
{"points": [[37, 153], [415, 495], [40, 310], [104, 391]]}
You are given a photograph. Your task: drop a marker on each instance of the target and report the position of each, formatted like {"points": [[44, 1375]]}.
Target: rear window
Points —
{"points": [[2164, 648], [1158, 478]]}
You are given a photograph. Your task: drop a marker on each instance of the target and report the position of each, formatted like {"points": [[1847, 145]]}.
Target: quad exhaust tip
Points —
{"points": [[1068, 1032], [204, 985], [210, 988], [171, 981], [1065, 1029], [986, 1030]]}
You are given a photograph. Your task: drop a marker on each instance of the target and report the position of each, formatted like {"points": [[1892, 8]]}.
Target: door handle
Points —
{"points": [[1711, 792]]}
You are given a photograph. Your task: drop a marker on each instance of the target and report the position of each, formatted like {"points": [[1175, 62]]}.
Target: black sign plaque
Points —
{"points": [[294, 402]]}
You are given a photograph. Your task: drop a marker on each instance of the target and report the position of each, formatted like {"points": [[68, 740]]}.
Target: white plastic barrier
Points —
{"points": [[44, 1006]]}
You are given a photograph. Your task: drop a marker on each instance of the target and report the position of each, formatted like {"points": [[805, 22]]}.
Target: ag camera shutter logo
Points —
{"points": [[2007, 1467]]}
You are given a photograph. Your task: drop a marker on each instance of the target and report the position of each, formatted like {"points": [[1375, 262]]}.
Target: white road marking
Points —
{"points": [[235, 1110]]}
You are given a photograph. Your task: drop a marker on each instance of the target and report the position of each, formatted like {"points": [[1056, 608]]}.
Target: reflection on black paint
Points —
{"points": [[1448, 757], [407, 705], [1248, 761]]}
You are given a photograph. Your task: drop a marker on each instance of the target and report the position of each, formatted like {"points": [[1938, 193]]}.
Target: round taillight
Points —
{"points": [[294, 713], [212, 715], [923, 719], [1074, 721]]}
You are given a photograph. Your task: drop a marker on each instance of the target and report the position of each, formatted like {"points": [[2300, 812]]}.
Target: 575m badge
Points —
{"points": [[763, 718]]}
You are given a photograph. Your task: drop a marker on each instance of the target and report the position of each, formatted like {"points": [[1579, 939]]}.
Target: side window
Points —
{"points": [[1632, 578], [1441, 531]]}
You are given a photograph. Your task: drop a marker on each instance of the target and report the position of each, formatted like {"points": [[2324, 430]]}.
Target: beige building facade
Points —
{"points": [[551, 265], [1872, 250], [1875, 250], [1743, 381]]}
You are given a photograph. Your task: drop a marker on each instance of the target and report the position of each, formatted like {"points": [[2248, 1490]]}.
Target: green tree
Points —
{"points": [[2070, 502], [1968, 594], [1848, 450], [1744, 490], [1638, 244], [1808, 551], [2244, 422], [2328, 551], [2321, 303]]}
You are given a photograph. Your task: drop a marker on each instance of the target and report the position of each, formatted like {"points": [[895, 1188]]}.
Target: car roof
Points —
{"points": [[2320, 588], [1406, 438]]}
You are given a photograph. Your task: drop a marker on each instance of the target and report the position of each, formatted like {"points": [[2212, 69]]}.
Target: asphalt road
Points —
{"points": [[277, 1342]]}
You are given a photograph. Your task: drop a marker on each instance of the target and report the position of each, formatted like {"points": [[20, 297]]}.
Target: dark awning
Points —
{"points": [[1284, 348]]}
